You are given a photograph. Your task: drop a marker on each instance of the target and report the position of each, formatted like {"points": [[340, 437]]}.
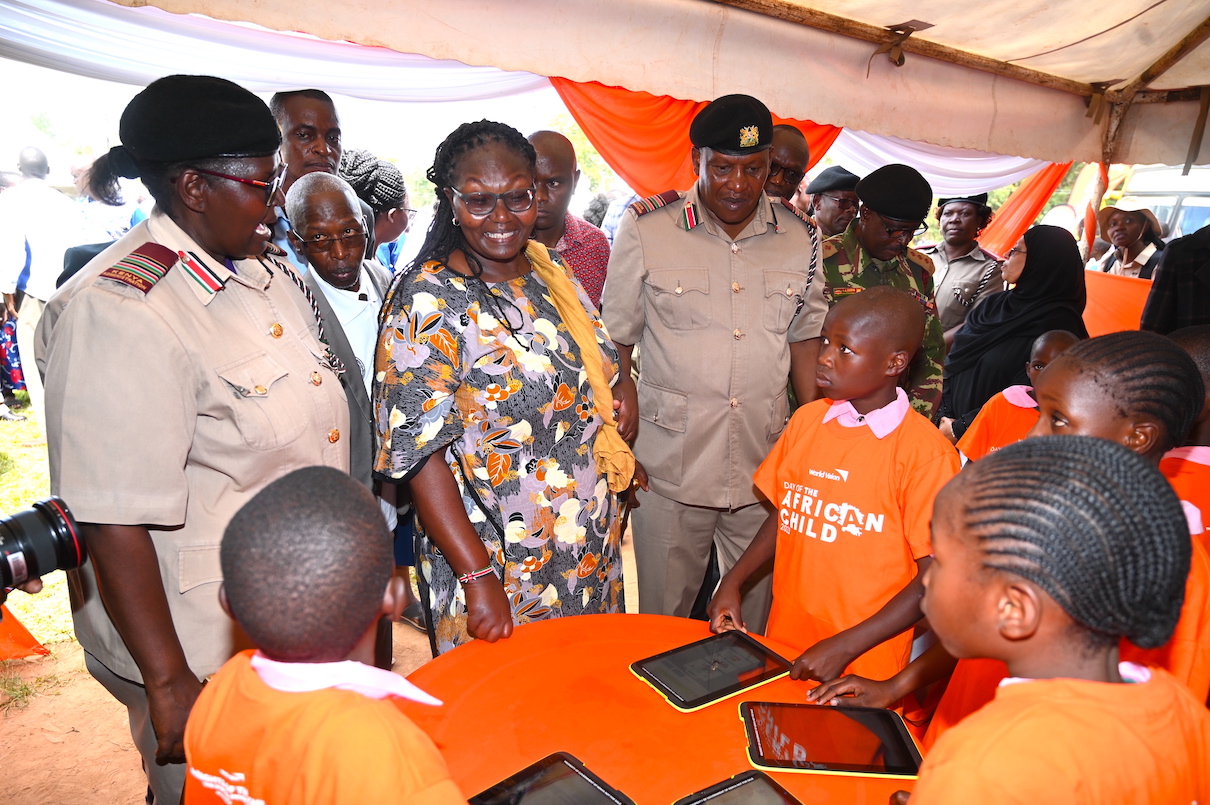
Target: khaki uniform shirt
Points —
{"points": [[714, 319], [962, 283], [849, 269], [172, 408]]}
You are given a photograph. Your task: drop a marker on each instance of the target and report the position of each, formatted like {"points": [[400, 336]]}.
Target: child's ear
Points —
{"points": [[1143, 437], [394, 598], [1018, 611], [897, 363]]}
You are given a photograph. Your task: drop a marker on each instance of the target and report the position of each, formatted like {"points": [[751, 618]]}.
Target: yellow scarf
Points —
{"points": [[613, 455]]}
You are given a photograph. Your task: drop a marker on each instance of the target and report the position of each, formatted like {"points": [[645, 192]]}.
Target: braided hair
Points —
{"points": [[1145, 373], [1093, 524], [444, 236], [375, 181]]}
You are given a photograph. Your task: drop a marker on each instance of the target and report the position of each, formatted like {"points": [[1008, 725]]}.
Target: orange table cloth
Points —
{"points": [[566, 685]]}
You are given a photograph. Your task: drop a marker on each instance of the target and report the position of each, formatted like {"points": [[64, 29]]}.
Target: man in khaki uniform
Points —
{"points": [[718, 287], [178, 384]]}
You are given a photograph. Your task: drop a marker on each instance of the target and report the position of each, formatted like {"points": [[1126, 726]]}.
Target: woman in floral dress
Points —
{"points": [[484, 405]]}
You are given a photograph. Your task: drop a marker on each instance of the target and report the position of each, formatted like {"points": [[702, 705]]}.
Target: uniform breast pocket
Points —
{"points": [[783, 296], [267, 411], [680, 296]]}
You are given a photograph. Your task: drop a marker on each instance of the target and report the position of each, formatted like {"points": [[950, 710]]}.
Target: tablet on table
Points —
{"points": [[824, 739], [557, 779], [748, 788], [701, 673]]}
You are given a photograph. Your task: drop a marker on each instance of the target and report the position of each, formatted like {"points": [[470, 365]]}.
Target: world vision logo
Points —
{"points": [[839, 475]]}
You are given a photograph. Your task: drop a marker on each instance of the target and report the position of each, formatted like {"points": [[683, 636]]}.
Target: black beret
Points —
{"points": [[979, 199], [183, 117], [896, 191], [834, 178], [734, 125]]}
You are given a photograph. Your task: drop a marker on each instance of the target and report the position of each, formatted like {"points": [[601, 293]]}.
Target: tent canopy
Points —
{"points": [[809, 59]]}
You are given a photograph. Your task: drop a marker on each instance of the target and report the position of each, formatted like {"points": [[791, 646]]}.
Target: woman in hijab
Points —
{"points": [[1045, 276]]}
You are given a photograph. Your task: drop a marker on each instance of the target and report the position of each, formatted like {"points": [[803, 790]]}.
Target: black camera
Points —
{"points": [[36, 541]]}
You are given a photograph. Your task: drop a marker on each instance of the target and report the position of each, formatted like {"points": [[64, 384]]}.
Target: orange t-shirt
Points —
{"points": [[1072, 741], [1188, 470], [1003, 420], [853, 517], [972, 685], [261, 745]]}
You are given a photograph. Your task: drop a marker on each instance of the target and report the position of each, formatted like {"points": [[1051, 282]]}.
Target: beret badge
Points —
{"points": [[749, 136]]}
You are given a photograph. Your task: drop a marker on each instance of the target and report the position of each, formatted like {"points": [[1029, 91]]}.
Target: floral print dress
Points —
{"points": [[512, 414]]}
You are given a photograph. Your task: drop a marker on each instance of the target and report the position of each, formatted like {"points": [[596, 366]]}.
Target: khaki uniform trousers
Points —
{"points": [[672, 549]]}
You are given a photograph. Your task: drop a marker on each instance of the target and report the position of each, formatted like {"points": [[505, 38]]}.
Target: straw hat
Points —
{"points": [[1107, 212]]}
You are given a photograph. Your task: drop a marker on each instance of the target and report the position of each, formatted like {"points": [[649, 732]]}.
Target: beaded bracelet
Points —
{"points": [[475, 574]]}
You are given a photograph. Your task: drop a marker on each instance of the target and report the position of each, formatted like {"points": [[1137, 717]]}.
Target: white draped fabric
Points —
{"points": [[139, 45], [951, 171]]}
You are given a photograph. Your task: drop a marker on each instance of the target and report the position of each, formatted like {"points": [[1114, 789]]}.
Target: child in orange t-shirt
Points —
{"points": [[307, 718], [1188, 468], [1029, 546], [852, 479], [1143, 392], [1008, 416]]}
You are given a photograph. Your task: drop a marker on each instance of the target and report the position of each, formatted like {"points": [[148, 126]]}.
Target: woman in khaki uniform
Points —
{"points": [[185, 370]]}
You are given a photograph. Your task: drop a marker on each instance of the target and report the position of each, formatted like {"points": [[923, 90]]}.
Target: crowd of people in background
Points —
{"points": [[275, 378]]}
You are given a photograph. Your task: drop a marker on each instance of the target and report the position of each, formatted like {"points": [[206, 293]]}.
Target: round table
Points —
{"points": [[565, 685]]}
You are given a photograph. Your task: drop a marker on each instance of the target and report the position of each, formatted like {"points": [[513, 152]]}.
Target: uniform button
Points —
{"points": [[734, 247], [679, 290], [316, 378], [334, 435], [261, 390], [738, 334], [735, 287], [734, 402], [789, 291], [275, 330]]}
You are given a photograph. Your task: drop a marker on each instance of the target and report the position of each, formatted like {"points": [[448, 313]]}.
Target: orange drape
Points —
{"points": [[15, 640], [645, 137], [1018, 213], [1114, 303]]}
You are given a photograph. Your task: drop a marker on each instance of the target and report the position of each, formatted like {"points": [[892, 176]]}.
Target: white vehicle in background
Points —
{"points": [[1181, 203]]}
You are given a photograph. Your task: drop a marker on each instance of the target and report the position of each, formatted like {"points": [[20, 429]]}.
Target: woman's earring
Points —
{"points": [[456, 221]]}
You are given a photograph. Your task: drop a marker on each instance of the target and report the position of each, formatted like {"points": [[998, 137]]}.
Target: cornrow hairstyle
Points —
{"points": [[375, 181], [1093, 524], [1145, 373], [444, 236]]}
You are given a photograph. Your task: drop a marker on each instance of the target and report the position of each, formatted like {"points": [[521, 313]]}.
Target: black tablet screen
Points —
{"points": [[750, 788], [802, 736], [551, 781], [713, 667]]}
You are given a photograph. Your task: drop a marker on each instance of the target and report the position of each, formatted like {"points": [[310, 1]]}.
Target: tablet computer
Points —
{"points": [[557, 779], [749, 788], [701, 673], [831, 740]]}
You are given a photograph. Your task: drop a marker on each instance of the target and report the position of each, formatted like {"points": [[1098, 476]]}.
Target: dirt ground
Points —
{"points": [[70, 743]]}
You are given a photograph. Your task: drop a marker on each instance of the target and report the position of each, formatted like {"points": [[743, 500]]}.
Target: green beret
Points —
{"points": [[184, 117], [834, 178], [896, 191], [733, 125], [978, 200]]}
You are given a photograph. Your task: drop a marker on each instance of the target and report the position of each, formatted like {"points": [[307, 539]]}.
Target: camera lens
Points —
{"points": [[36, 541]]}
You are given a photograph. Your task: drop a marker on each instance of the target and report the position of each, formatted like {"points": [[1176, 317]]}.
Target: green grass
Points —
{"points": [[16, 691]]}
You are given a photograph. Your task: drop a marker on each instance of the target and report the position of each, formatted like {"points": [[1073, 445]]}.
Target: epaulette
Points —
{"points": [[802, 216], [921, 259], [273, 249], [653, 203], [144, 267]]}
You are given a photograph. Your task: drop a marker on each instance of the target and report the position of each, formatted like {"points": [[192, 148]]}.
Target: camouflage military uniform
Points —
{"points": [[847, 269]]}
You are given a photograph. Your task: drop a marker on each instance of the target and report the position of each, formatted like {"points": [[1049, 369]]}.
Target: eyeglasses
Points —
{"points": [[274, 185], [842, 203], [1014, 250], [919, 229], [353, 239], [791, 177], [481, 205]]}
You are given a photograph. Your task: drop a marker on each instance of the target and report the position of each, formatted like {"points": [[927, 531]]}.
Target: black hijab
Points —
{"points": [[1049, 295]]}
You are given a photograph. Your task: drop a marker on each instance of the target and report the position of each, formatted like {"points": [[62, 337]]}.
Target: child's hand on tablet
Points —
{"points": [[826, 659], [900, 798], [724, 609], [858, 691]]}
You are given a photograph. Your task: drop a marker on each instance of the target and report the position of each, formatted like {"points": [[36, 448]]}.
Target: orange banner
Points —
{"points": [[645, 137], [15, 639], [1021, 210], [1114, 303]]}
